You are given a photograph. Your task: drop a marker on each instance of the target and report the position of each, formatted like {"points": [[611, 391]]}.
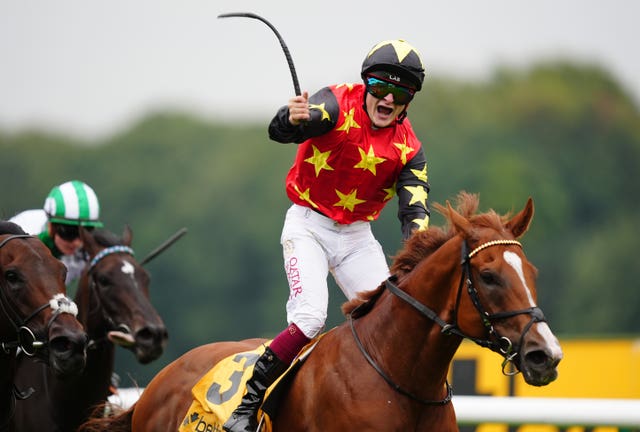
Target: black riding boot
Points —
{"points": [[267, 369]]}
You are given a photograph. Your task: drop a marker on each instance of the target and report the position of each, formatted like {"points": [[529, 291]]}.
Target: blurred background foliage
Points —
{"points": [[564, 133]]}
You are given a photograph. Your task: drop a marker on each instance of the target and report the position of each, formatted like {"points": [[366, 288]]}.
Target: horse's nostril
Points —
{"points": [[65, 344], [152, 334], [537, 357]]}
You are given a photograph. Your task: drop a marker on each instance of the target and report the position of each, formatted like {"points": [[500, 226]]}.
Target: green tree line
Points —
{"points": [[566, 134]]}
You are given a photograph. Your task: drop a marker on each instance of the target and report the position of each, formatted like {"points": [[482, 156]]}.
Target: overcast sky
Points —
{"points": [[92, 67]]}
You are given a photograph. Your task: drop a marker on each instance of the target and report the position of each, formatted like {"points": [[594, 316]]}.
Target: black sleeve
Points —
{"points": [[413, 190], [324, 112]]}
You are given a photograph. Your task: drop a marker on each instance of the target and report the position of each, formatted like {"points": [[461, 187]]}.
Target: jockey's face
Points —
{"points": [[68, 243], [382, 112]]}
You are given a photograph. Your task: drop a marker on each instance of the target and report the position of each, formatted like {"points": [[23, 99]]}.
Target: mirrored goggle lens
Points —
{"points": [[379, 89]]}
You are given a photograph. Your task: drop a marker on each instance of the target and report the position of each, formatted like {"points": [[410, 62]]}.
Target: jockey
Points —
{"points": [[356, 150], [67, 207]]}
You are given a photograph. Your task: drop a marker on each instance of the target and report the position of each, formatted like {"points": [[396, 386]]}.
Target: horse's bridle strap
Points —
{"points": [[424, 310], [108, 251], [493, 243]]}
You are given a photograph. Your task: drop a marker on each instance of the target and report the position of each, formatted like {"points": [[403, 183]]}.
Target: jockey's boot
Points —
{"points": [[266, 371]]}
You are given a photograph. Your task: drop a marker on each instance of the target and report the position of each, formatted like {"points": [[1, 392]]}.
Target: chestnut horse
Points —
{"points": [[35, 315], [385, 368], [114, 307]]}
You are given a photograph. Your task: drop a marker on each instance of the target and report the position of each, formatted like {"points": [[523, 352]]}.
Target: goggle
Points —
{"points": [[69, 232], [379, 89]]}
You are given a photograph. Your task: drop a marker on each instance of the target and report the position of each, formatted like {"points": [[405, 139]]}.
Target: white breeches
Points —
{"points": [[314, 245]]}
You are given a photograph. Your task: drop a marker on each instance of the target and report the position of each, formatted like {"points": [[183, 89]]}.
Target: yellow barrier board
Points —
{"points": [[591, 368]]}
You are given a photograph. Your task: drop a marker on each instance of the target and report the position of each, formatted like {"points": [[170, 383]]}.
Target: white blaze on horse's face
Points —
{"points": [[127, 268], [514, 261], [543, 328]]}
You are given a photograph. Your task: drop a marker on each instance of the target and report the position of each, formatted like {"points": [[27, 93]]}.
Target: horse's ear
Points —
{"points": [[88, 242], [127, 235], [519, 224], [459, 221]]}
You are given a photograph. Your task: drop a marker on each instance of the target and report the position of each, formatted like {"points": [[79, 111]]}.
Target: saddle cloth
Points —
{"points": [[220, 391]]}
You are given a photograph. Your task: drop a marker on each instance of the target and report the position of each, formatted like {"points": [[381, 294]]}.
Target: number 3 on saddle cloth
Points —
{"points": [[220, 391]]}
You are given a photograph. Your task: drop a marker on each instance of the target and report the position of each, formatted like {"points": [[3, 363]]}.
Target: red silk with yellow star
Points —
{"points": [[349, 173]]}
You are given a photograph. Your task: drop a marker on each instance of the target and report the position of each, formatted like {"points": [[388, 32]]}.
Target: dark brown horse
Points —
{"points": [[35, 315], [114, 306], [385, 368]]}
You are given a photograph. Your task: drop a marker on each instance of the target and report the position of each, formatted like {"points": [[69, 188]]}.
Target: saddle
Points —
{"points": [[220, 391]]}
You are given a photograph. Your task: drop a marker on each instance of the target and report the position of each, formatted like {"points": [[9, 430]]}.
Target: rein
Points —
{"points": [[452, 328], [389, 381], [25, 338]]}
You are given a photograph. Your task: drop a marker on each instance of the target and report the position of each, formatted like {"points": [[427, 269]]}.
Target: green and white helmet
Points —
{"points": [[73, 203]]}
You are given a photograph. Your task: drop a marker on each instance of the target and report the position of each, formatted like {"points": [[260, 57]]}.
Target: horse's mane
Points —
{"points": [[106, 238], [7, 227], [423, 243]]}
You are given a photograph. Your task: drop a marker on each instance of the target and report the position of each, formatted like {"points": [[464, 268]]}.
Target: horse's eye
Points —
{"points": [[103, 280], [488, 278], [12, 276]]}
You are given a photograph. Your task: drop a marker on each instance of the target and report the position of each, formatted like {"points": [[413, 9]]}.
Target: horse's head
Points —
{"points": [[496, 305], [113, 294], [35, 314]]}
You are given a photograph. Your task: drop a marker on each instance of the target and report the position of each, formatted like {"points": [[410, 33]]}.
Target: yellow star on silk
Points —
{"points": [[348, 201], [372, 216], [348, 85], [319, 160], [325, 114], [418, 194], [404, 150], [421, 174], [390, 192], [423, 224], [306, 195], [369, 160], [349, 122]]}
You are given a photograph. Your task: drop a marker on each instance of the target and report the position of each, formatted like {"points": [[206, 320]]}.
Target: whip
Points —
{"points": [[167, 243], [292, 69]]}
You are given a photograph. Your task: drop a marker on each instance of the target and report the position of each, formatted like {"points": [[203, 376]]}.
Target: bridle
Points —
{"points": [[494, 341], [93, 283], [25, 337], [26, 340]]}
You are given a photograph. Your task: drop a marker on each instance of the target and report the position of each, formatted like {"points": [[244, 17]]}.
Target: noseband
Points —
{"points": [[25, 338], [494, 341]]}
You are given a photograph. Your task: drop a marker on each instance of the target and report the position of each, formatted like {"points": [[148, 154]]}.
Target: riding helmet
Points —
{"points": [[396, 61], [73, 203]]}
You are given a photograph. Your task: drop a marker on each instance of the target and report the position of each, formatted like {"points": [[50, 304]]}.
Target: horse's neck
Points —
{"points": [[101, 352], [418, 351]]}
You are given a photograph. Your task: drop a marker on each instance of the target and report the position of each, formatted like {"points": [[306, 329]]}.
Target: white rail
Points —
{"points": [[553, 411], [515, 410]]}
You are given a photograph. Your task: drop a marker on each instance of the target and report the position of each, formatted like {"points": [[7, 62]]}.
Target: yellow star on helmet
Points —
{"points": [[404, 150], [421, 174], [369, 160], [401, 47], [319, 160], [348, 201], [325, 114], [418, 194], [349, 122]]}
